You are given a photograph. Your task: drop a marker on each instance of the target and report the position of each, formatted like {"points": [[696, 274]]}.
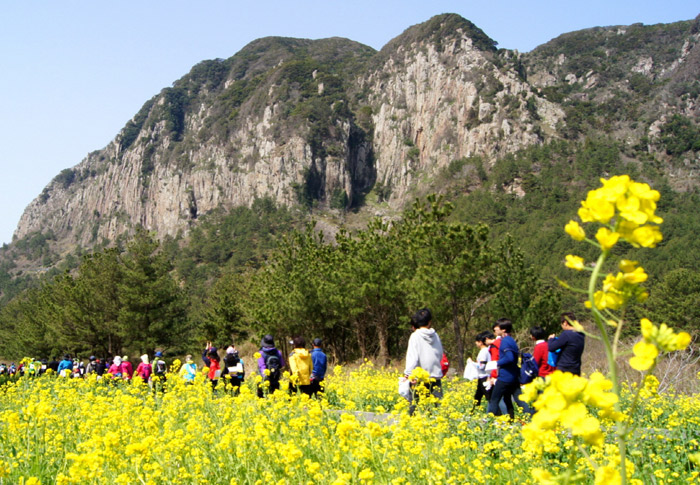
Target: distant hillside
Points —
{"points": [[335, 129]]}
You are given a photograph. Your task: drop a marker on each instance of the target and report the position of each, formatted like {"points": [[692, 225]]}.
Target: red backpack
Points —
{"points": [[444, 364]]}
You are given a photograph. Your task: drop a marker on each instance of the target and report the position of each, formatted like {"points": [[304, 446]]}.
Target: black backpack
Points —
{"points": [[232, 360], [273, 364], [159, 367]]}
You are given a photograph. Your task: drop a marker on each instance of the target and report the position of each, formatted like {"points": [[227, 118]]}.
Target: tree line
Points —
{"points": [[356, 291]]}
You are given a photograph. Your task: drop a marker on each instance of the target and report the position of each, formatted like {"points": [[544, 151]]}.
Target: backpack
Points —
{"points": [[273, 364], [232, 360], [529, 369], [159, 368], [553, 358], [444, 364]]}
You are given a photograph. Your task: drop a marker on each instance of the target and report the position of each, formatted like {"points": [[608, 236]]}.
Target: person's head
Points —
{"points": [[503, 326], [538, 333], [188, 359], [144, 358], [159, 354], [268, 341], [317, 342], [230, 350], [299, 342], [483, 336], [65, 357], [93, 358], [421, 318], [566, 319], [125, 358], [117, 360]]}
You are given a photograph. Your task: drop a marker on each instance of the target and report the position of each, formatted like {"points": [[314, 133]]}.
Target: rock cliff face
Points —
{"points": [[321, 123]]}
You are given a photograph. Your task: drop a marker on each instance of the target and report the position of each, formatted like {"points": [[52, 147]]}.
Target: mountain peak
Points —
{"points": [[442, 27]]}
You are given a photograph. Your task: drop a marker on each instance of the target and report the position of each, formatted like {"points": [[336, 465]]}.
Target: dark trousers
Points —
{"points": [[481, 391], [434, 387], [505, 391], [316, 387], [274, 386]]}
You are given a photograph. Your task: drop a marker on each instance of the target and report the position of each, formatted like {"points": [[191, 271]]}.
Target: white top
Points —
{"points": [[482, 360], [424, 351]]}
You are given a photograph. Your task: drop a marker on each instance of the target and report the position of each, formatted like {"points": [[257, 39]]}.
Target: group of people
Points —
{"points": [[307, 369], [497, 368], [498, 374]]}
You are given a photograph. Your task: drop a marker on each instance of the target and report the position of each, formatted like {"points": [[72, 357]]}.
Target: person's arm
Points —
{"points": [[508, 356], [293, 365], [557, 343], [411, 357]]}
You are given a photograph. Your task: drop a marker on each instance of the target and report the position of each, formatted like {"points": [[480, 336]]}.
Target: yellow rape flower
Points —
{"points": [[574, 262], [645, 355], [606, 238], [607, 475], [575, 230]]}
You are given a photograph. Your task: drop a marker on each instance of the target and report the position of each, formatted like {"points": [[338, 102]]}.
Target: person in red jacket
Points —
{"points": [[495, 347], [211, 359], [541, 351]]}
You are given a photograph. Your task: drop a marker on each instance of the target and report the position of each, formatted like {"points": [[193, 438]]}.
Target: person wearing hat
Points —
{"points": [[128, 368], [159, 367], [144, 369], [91, 367], [270, 365], [320, 364], [116, 368], [188, 371]]}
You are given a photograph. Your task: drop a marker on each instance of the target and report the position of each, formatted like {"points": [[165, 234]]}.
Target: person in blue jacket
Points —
{"points": [[508, 382], [320, 364], [67, 365], [571, 344]]}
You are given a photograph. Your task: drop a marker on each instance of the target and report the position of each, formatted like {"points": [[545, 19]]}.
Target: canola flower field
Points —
{"points": [[65, 431]]}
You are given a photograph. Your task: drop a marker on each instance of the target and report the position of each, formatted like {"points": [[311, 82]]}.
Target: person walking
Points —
{"points": [[233, 372], [144, 369], [300, 365], [211, 359], [508, 382], [270, 365], [570, 345], [541, 352], [188, 371], [483, 386], [159, 368], [65, 367], [424, 351], [320, 365]]}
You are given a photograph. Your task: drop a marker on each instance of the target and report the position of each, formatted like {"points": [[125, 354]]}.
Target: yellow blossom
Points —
{"points": [[574, 262], [645, 355], [575, 230], [606, 238]]}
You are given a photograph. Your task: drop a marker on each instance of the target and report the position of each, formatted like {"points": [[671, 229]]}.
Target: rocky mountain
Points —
{"points": [[324, 123]]}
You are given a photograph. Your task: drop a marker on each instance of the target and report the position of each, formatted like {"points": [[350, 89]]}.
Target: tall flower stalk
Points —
{"points": [[621, 210]]}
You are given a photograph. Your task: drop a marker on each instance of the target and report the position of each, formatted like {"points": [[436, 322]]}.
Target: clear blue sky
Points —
{"points": [[74, 72]]}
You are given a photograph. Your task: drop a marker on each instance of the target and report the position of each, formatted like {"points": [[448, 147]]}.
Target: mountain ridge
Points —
{"points": [[323, 124]]}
